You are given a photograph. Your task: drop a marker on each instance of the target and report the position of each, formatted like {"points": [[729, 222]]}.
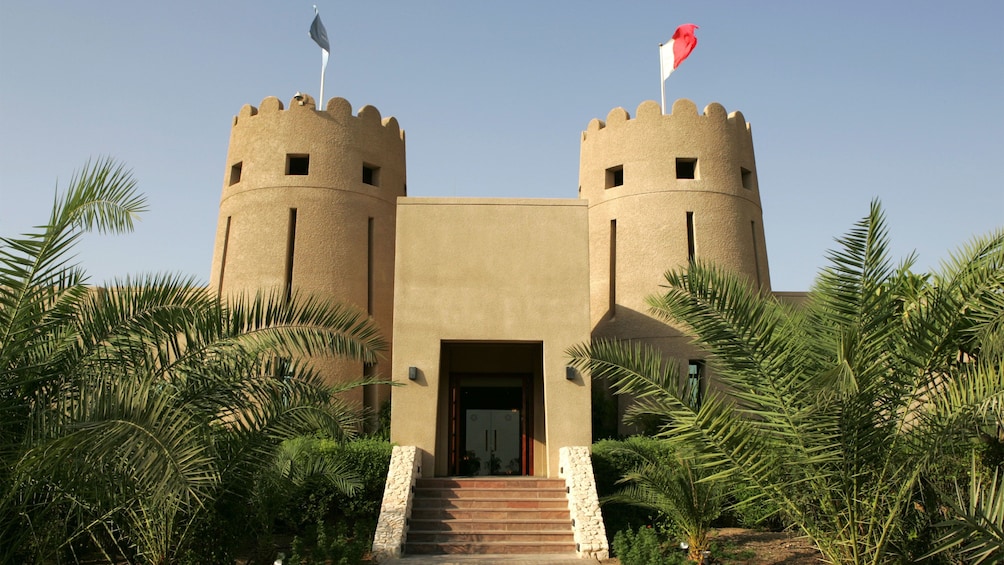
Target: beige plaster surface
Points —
{"points": [[638, 230], [336, 254], [489, 270]]}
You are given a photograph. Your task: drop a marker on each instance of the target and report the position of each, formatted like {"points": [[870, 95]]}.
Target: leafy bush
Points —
{"points": [[644, 548], [331, 545], [325, 520], [610, 463], [747, 509]]}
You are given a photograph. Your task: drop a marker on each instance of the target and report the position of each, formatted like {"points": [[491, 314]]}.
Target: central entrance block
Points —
{"points": [[489, 294]]}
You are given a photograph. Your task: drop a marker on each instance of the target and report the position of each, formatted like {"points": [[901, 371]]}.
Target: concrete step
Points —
{"points": [[492, 482], [494, 515], [488, 536], [531, 524], [490, 514], [502, 548], [495, 503]]}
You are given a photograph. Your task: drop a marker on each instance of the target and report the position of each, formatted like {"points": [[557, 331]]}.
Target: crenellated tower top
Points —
{"points": [[656, 151], [338, 108], [274, 146]]}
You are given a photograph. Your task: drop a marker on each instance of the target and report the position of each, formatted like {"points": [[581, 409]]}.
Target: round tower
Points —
{"points": [[662, 189], [309, 206]]}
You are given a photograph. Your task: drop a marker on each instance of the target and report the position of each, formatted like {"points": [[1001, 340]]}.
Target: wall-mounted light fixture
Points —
{"points": [[412, 373], [570, 373]]}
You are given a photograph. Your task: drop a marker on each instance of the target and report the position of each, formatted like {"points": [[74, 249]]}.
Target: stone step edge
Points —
{"points": [[562, 497], [565, 532], [474, 526], [480, 496], [419, 487], [491, 498], [496, 543], [477, 520]]}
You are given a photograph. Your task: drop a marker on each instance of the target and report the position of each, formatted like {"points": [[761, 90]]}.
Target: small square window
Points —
{"points": [[747, 176], [615, 176], [297, 164], [686, 168], [235, 173], [371, 175]]}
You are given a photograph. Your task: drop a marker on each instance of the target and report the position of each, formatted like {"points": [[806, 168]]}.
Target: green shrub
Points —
{"points": [[331, 545], [610, 464], [645, 548], [747, 510], [322, 517]]}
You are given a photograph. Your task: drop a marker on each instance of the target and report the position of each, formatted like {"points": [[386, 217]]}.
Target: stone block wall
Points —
{"points": [[392, 527], [576, 468]]}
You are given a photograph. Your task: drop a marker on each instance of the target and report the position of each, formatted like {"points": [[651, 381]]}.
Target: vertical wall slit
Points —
{"points": [[223, 257], [371, 400], [613, 268], [369, 267], [690, 237], [756, 252], [290, 248]]}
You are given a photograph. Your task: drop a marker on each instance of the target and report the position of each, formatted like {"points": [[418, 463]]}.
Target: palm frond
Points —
{"points": [[976, 532], [125, 431], [101, 196]]}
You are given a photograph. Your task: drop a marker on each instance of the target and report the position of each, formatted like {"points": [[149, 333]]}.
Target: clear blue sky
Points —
{"points": [[849, 101]]}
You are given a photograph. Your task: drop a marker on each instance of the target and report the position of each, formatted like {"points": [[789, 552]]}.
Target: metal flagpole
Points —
{"points": [[324, 64], [320, 36], [662, 80]]}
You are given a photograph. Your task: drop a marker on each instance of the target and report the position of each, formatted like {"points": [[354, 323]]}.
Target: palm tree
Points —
{"points": [[668, 483], [126, 412], [835, 409]]}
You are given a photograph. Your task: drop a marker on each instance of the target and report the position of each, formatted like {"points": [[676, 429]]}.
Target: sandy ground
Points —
{"points": [[769, 547]]}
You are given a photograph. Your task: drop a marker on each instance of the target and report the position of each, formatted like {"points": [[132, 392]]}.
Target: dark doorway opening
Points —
{"points": [[491, 423]]}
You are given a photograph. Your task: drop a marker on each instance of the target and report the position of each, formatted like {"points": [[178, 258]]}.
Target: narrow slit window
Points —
{"points": [[615, 176], [235, 172], [747, 177], [756, 252], [298, 165], [686, 168], [369, 267], [371, 175], [290, 248], [691, 247], [612, 308], [695, 383], [223, 255]]}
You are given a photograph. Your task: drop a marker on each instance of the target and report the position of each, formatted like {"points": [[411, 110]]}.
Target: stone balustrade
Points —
{"points": [[392, 527], [583, 503]]}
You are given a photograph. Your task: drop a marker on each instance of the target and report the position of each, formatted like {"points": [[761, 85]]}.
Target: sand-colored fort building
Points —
{"points": [[480, 297]]}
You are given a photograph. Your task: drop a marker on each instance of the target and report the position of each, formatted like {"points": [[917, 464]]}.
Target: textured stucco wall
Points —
{"points": [[334, 242], [650, 210], [489, 270]]}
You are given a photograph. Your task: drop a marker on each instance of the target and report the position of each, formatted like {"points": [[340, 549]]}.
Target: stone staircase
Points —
{"points": [[490, 515]]}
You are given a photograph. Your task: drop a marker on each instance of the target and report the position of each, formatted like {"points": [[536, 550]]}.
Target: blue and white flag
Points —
{"points": [[318, 33], [320, 36]]}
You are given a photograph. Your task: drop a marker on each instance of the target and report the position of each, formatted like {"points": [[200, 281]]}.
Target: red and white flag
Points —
{"points": [[677, 49]]}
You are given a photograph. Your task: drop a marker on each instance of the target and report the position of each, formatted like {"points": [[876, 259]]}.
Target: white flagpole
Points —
{"points": [[662, 80], [324, 64], [320, 36]]}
